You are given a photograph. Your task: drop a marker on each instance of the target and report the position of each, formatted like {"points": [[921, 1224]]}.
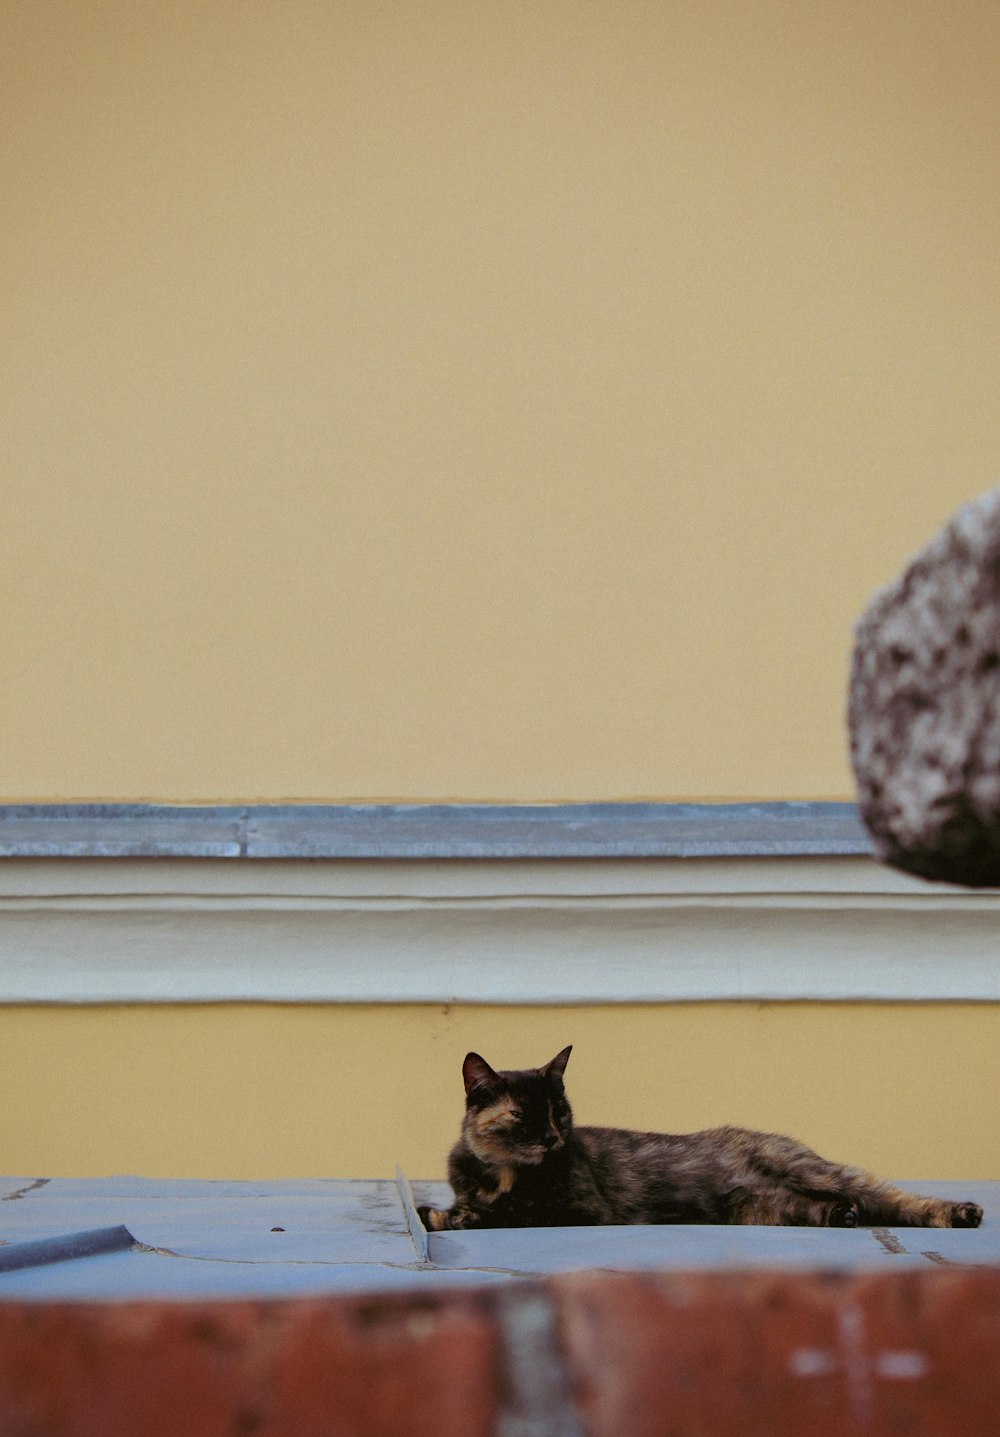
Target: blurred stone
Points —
{"points": [[716, 1354], [912, 1349], [374, 1366], [924, 706]]}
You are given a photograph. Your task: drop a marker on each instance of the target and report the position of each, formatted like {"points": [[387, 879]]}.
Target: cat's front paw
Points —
{"points": [[434, 1219], [966, 1214]]}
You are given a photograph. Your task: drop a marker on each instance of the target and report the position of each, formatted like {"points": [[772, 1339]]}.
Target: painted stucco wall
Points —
{"points": [[462, 401], [503, 401], [256, 1091]]}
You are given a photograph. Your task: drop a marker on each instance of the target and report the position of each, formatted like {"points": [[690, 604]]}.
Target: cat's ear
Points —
{"points": [[557, 1066], [477, 1073]]}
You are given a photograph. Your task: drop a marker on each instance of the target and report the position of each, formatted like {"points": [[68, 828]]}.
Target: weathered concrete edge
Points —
{"points": [[432, 831]]}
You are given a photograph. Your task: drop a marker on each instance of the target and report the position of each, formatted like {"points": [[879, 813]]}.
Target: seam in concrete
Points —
{"points": [[536, 1395], [279, 1261], [853, 1346]]}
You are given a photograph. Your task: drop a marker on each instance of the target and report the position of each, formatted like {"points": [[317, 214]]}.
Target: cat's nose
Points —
{"points": [[550, 1138]]}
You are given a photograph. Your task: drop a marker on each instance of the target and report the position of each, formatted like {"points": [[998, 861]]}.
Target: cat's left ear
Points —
{"points": [[557, 1066], [477, 1073]]}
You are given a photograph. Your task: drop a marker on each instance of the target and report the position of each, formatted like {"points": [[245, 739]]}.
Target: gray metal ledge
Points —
{"points": [[432, 831]]}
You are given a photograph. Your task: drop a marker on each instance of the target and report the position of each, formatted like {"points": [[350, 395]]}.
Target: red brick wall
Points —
{"points": [[587, 1355]]}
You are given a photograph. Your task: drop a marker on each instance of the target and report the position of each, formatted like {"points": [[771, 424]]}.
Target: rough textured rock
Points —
{"points": [[925, 706]]}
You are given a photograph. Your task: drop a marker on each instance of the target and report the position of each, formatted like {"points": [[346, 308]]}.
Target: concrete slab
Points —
{"points": [[315, 1236], [541, 1250], [217, 1239], [329, 1221]]}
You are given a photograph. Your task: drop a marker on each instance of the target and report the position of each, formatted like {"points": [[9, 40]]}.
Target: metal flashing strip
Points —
{"points": [[67, 1247], [417, 1231], [431, 831]]}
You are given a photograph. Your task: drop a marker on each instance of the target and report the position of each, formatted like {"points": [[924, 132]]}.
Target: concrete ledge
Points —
{"points": [[578, 903], [683, 929], [431, 831], [124, 1239], [595, 1354]]}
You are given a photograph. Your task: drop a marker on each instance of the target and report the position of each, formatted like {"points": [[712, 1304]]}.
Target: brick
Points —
{"points": [[416, 1368], [710, 1354], [389, 1367], [606, 1355]]}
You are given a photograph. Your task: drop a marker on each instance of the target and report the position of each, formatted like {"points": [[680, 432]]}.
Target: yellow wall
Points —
{"points": [[450, 399], [252, 1092], [456, 399]]}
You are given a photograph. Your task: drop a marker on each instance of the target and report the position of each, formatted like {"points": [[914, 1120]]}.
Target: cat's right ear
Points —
{"points": [[557, 1065], [477, 1073]]}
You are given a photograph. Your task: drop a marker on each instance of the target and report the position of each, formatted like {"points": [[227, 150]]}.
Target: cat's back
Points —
{"points": [[626, 1169], [595, 1139], [663, 1177], [638, 1149]]}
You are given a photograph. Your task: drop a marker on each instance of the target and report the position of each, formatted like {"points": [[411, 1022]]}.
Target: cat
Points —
{"points": [[521, 1163]]}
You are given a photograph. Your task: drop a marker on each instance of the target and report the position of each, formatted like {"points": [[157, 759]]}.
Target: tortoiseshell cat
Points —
{"points": [[520, 1163]]}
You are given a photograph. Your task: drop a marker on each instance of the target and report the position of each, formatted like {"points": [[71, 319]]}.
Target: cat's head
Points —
{"points": [[515, 1118]]}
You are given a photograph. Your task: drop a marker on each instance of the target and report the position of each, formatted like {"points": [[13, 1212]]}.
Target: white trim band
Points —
{"points": [[533, 932]]}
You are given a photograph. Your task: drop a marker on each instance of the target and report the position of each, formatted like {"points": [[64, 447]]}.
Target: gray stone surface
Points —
{"points": [[431, 831], [924, 706], [217, 1239], [313, 1236], [687, 1247]]}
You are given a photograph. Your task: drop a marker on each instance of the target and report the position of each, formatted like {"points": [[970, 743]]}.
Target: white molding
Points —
{"points": [[550, 932]]}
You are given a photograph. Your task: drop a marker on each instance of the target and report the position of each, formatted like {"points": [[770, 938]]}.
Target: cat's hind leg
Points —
{"points": [[865, 1201], [784, 1207], [859, 1198], [881, 1203], [966, 1214]]}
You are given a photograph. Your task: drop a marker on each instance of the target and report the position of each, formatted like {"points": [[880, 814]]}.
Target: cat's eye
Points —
{"points": [[516, 1114]]}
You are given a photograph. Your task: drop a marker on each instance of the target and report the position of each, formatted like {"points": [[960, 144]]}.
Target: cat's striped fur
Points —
{"points": [[520, 1162]]}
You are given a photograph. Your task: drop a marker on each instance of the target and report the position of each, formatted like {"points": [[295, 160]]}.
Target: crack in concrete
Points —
{"points": [[537, 1391], [22, 1192], [284, 1261], [888, 1240], [332, 1262]]}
